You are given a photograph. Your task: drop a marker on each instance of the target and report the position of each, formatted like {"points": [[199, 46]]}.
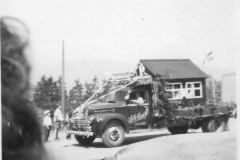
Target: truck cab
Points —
{"points": [[111, 116]]}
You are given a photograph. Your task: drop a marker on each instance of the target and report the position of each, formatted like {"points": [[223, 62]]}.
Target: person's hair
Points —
{"points": [[21, 130]]}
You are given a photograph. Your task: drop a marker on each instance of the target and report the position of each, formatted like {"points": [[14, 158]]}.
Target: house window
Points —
{"points": [[175, 90], [194, 89]]}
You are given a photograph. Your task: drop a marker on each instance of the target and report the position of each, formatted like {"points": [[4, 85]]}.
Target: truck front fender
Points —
{"points": [[101, 120]]}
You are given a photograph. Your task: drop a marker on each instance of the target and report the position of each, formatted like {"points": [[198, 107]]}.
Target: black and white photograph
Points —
{"points": [[119, 79]]}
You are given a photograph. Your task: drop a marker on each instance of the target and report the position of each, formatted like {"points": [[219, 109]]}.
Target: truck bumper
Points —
{"points": [[80, 133]]}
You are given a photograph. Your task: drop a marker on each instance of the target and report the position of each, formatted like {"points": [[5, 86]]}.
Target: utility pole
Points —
{"points": [[63, 84]]}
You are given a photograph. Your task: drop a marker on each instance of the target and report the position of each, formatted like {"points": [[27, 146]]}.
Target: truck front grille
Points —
{"points": [[81, 124]]}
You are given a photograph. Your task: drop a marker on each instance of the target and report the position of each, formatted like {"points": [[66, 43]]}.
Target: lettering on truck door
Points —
{"points": [[137, 112]]}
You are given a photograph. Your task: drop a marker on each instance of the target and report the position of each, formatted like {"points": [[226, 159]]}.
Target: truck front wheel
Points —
{"points": [[85, 140], [114, 134]]}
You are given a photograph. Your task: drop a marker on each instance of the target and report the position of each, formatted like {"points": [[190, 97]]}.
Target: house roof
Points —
{"points": [[174, 68]]}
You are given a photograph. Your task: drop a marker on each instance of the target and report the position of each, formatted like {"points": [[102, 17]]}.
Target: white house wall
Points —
{"points": [[228, 89]]}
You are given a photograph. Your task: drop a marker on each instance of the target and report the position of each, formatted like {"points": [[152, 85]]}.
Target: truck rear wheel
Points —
{"points": [[217, 124], [178, 129], [114, 134], [85, 140], [204, 126], [170, 129]]}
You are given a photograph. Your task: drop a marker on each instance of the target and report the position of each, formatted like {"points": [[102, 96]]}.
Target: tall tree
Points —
{"points": [[88, 91], [209, 90], [47, 93], [106, 88], [43, 96], [76, 94], [90, 88], [59, 93], [39, 95], [59, 88]]}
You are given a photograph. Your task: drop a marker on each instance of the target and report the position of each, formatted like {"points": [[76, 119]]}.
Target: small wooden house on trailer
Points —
{"points": [[185, 81]]}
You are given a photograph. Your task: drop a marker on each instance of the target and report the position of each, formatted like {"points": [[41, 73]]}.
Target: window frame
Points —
{"points": [[172, 90], [193, 89]]}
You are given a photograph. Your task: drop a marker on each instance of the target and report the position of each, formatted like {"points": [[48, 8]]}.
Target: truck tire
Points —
{"points": [[114, 134], [85, 140], [170, 129], [178, 129], [204, 126], [217, 124]]}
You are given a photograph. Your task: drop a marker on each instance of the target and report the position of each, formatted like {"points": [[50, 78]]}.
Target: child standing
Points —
{"points": [[47, 122]]}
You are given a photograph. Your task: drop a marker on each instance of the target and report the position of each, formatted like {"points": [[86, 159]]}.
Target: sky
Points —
{"points": [[103, 36]]}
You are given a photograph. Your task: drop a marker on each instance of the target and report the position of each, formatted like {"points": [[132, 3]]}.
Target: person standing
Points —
{"points": [[67, 123], [47, 122], [58, 118]]}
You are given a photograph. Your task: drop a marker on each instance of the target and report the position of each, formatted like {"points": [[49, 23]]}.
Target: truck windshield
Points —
{"points": [[118, 96]]}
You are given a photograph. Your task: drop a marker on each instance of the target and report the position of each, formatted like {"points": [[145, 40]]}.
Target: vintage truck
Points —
{"points": [[112, 115]]}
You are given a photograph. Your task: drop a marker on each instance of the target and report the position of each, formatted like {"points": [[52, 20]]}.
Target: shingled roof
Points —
{"points": [[175, 68]]}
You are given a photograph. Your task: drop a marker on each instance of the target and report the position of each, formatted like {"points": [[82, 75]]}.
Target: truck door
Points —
{"points": [[138, 112]]}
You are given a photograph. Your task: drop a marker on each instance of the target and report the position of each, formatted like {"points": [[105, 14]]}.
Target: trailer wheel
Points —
{"points": [[204, 126], [217, 124], [85, 140], [178, 129], [114, 134]]}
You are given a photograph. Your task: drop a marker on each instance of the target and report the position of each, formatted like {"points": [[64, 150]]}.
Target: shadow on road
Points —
{"points": [[135, 139], [93, 145], [128, 140]]}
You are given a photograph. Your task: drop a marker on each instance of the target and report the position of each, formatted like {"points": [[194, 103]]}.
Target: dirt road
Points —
{"points": [[71, 150]]}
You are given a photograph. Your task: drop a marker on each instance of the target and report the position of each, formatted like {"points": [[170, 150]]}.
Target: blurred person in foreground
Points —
{"points": [[21, 130]]}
